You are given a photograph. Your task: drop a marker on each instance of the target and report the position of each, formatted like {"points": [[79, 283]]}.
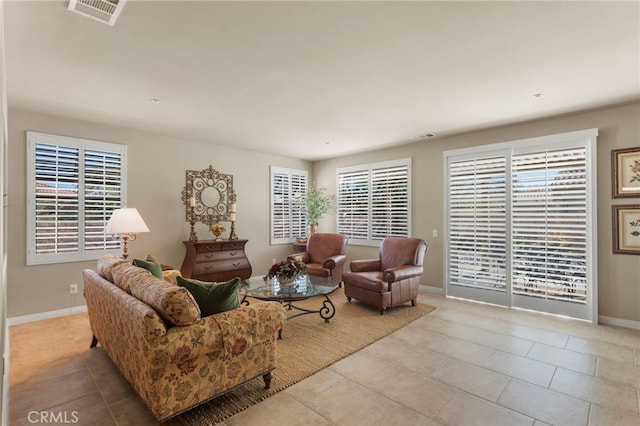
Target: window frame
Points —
{"points": [[293, 208], [368, 172], [82, 252]]}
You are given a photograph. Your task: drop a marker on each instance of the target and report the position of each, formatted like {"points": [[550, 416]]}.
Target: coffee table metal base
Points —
{"points": [[327, 311], [306, 288]]}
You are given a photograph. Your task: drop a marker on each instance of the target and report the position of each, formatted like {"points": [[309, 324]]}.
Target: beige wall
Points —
{"points": [[4, 349], [156, 169], [618, 275], [156, 177]]}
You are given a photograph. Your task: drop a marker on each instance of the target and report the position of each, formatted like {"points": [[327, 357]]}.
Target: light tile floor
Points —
{"points": [[463, 364]]}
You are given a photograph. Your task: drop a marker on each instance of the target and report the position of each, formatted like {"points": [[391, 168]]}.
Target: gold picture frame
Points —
{"points": [[626, 229], [625, 168]]}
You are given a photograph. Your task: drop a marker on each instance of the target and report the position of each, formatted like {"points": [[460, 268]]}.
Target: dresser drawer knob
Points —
{"points": [[233, 253], [207, 267], [236, 264]]}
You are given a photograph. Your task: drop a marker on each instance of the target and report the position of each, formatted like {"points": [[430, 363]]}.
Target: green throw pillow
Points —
{"points": [[212, 298], [151, 266]]}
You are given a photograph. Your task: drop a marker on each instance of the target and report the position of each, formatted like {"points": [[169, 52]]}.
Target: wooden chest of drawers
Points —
{"points": [[217, 261]]}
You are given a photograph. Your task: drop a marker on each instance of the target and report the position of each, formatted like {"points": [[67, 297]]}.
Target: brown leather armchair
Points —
{"points": [[392, 279], [325, 255]]}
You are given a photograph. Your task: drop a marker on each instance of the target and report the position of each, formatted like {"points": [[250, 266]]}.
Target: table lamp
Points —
{"points": [[125, 223]]}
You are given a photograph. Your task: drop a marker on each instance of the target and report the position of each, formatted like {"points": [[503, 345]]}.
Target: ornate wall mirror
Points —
{"points": [[208, 196]]}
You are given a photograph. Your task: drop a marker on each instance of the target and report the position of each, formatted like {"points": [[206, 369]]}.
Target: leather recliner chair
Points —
{"points": [[325, 255], [390, 280]]}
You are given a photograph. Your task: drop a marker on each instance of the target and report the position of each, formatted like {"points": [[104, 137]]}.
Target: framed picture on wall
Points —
{"points": [[626, 229], [625, 165]]}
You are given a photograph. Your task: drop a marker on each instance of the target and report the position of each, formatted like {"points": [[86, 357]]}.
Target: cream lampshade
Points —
{"points": [[125, 223]]}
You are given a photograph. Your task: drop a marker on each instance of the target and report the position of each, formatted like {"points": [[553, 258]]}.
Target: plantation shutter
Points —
{"points": [[73, 186], [57, 176], [102, 195], [353, 204], [374, 201], [389, 202], [288, 219], [550, 224], [522, 220], [279, 202], [477, 223], [298, 224]]}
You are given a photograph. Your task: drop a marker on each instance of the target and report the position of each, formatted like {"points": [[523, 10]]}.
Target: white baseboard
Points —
{"points": [[430, 289], [46, 315], [619, 322]]}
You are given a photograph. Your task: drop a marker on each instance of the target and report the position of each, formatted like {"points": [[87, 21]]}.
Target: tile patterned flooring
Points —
{"points": [[463, 364]]}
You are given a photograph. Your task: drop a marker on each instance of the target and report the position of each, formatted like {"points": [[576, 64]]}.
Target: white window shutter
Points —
{"points": [[73, 186], [550, 224], [298, 218], [102, 195], [279, 205], [374, 201], [353, 204], [56, 215], [521, 223], [477, 223], [288, 219], [389, 202]]}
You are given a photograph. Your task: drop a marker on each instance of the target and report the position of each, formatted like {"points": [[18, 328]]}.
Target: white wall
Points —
{"points": [[156, 176]]}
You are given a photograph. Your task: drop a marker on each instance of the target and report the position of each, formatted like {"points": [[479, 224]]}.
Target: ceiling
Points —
{"points": [[316, 80]]}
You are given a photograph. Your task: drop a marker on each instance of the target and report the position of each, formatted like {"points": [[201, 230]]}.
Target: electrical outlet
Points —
{"points": [[73, 288]]}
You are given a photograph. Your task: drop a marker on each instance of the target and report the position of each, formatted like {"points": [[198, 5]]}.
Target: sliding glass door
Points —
{"points": [[520, 220]]}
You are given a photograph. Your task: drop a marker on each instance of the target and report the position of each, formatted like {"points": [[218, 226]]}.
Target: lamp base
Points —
{"points": [[125, 239]]}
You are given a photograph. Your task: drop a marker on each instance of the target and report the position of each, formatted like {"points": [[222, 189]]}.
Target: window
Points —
{"points": [[288, 220], [73, 186], [521, 224], [374, 201]]}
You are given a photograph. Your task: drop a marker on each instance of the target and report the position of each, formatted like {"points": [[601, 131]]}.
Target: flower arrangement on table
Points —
{"points": [[286, 271], [217, 230]]}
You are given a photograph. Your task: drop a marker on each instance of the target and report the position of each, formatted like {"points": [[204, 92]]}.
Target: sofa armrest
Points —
{"points": [[403, 272], [334, 260], [365, 265], [195, 362], [112, 310], [231, 331]]}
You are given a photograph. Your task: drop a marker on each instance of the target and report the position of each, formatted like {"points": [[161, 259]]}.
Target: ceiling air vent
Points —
{"points": [[106, 11]]}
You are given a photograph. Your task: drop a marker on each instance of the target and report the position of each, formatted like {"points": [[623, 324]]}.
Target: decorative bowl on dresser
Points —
{"points": [[216, 261]]}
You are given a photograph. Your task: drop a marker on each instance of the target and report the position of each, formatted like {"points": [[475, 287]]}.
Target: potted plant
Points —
{"points": [[316, 204]]}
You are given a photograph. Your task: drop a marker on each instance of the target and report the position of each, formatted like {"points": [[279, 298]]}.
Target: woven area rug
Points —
{"points": [[308, 346]]}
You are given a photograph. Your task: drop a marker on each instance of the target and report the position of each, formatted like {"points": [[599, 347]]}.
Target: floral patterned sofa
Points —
{"points": [[174, 359]]}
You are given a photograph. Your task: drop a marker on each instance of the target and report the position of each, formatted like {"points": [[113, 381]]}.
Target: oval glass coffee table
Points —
{"points": [[305, 287]]}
